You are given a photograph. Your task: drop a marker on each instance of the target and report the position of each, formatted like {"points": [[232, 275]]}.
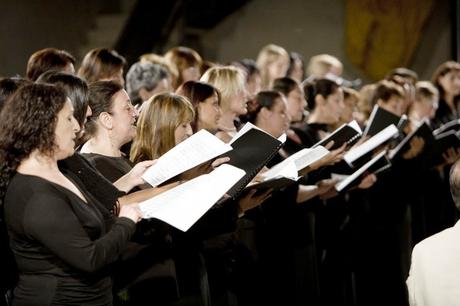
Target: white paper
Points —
{"points": [[183, 205], [192, 152], [354, 124], [248, 126], [372, 143], [300, 160]]}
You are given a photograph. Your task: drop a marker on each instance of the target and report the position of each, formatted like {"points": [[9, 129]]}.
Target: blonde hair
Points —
{"points": [[160, 117], [267, 56], [320, 65], [229, 80]]}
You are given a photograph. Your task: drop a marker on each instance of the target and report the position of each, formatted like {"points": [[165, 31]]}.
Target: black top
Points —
{"points": [[61, 244], [444, 114], [112, 168], [101, 188]]}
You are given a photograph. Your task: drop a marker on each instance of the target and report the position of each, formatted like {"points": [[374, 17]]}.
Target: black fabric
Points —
{"points": [[61, 244]]}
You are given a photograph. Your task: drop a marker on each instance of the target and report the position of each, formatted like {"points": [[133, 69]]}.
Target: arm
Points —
{"points": [[61, 231]]}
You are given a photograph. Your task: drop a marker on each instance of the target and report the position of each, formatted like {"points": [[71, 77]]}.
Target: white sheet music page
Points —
{"points": [[192, 152], [372, 143], [183, 205]]}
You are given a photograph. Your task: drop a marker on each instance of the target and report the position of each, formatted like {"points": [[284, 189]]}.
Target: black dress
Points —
{"points": [[61, 244]]}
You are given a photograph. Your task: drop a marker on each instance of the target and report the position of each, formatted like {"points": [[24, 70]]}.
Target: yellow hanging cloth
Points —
{"points": [[382, 34]]}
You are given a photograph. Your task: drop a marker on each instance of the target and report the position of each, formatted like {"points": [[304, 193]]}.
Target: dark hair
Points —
{"points": [[454, 182], [385, 90], [263, 99], [323, 87], [27, 123], [100, 100], [8, 87], [100, 63], [293, 56], [249, 66], [442, 70], [197, 92], [75, 88], [285, 85], [47, 59]]}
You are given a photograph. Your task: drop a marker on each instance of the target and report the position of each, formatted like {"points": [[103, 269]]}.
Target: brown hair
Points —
{"points": [[47, 59], [100, 63], [27, 123], [160, 117]]}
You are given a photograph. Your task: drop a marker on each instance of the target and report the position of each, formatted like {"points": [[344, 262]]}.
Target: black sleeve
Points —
{"points": [[99, 187], [61, 232]]}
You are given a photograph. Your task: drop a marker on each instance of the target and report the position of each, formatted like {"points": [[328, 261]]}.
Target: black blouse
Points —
{"points": [[61, 244]]}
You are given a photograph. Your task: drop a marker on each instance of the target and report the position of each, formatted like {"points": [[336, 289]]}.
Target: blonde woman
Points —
{"points": [[163, 123], [231, 83], [273, 62]]}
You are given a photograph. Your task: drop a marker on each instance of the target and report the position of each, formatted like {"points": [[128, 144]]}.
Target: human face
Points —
{"points": [[426, 108], [297, 72], [238, 103], [296, 104], [278, 118], [66, 131], [162, 86], [394, 105], [123, 118], [278, 68], [190, 74], [333, 107], [254, 85], [450, 82], [209, 113], [182, 132]]}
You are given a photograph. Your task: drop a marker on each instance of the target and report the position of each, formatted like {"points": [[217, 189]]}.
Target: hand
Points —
{"points": [[134, 177], [251, 200], [333, 157], [451, 155], [416, 146], [131, 211], [368, 181], [325, 185], [220, 161], [197, 171]]}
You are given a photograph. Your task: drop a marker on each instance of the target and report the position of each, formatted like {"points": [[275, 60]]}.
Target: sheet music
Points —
{"points": [[192, 152], [183, 205], [373, 142]]}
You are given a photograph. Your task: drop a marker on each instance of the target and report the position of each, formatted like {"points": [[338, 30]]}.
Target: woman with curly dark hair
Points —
{"points": [[62, 242]]}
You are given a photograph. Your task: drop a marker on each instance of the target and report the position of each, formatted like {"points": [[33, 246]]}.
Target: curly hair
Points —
{"points": [[27, 123]]}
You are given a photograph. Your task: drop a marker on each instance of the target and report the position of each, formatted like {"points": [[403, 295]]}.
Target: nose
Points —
{"points": [[189, 130]]}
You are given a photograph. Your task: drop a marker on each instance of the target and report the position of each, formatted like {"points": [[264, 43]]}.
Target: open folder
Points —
{"points": [[380, 119], [356, 156], [252, 150], [289, 170], [347, 133], [195, 150], [183, 205], [377, 164]]}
